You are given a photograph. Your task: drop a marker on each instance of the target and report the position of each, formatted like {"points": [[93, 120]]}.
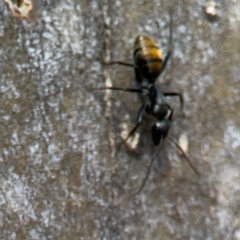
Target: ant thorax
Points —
{"points": [[155, 104], [145, 86]]}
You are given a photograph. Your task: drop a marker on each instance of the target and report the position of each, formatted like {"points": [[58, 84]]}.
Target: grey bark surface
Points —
{"points": [[59, 176]]}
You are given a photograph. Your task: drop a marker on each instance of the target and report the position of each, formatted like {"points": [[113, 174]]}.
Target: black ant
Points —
{"points": [[149, 65]]}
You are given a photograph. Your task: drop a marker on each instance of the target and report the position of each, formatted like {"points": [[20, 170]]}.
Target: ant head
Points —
{"points": [[160, 130]]}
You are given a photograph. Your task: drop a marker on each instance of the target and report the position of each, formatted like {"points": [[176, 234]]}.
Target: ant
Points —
{"points": [[149, 65]]}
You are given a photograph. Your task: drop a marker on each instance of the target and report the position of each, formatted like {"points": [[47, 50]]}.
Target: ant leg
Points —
{"points": [[171, 113], [174, 94], [120, 63], [166, 59], [139, 121], [132, 90], [149, 168]]}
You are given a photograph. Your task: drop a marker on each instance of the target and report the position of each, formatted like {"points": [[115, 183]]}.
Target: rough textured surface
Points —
{"points": [[59, 178]]}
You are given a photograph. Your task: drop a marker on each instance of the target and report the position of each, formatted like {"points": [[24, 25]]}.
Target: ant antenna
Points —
{"points": [[185, 156], [154, 157], [149, 168]]}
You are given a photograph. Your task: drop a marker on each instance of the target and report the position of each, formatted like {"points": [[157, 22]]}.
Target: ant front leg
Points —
{"points": [[139, 121], [175, 94]]}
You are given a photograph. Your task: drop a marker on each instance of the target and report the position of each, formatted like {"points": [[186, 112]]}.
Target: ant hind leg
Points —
{"points": [[120, 63]]}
